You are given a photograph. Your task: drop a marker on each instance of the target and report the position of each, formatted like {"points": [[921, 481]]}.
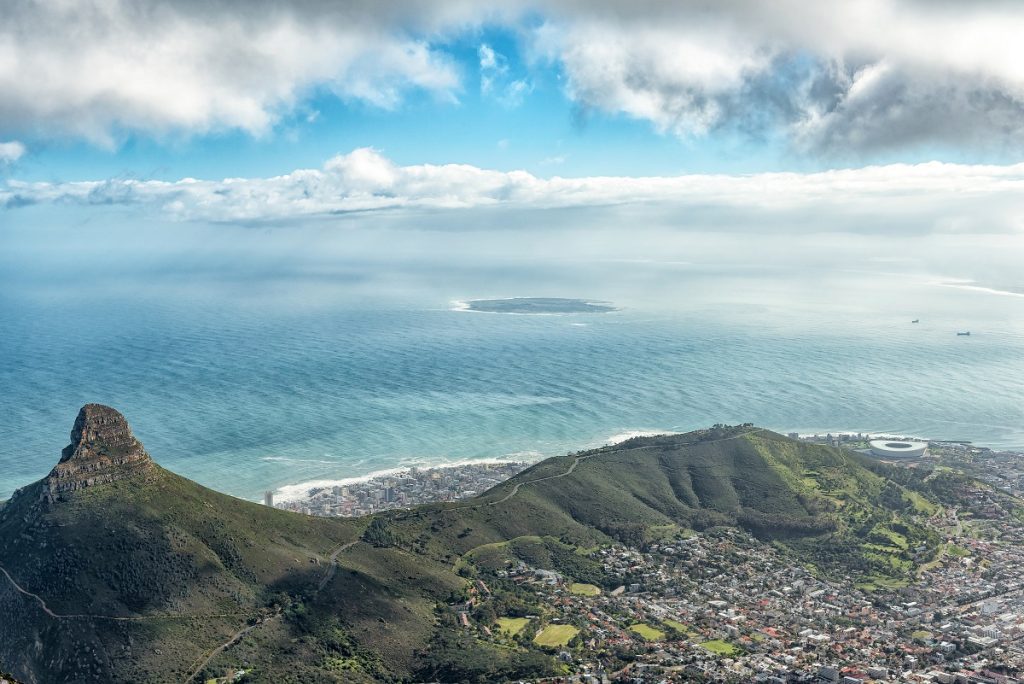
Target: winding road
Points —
{"points": [[18, 588], [324, 581], [116, 618], [234, 639], [332, 569], [328, 575]]}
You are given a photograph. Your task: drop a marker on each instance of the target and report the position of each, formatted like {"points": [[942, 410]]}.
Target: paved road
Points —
{"points": [[515, 489], [965, 607]]}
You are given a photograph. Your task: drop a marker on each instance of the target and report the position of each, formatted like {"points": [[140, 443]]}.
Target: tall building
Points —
{"points": [[268, 498]]}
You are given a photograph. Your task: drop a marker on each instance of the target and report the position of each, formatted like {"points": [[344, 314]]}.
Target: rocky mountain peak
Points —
{"points": [[103, 449]]}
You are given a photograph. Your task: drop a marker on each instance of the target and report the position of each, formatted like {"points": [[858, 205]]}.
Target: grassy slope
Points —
{"points": [[175, 547], [615, 492], [172, 547], [820, 501], [121, 535]]}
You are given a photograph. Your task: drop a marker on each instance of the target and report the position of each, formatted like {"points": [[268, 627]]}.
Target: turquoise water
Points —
{"points": [[243, 394], [245, 386]]}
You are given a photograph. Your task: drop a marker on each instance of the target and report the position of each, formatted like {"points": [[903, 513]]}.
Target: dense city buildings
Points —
{"points": [[723, 606], [403, 488]]}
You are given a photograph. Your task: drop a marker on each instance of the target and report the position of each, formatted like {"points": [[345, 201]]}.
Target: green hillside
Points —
{"points": [[137, 574], [823, 502]]}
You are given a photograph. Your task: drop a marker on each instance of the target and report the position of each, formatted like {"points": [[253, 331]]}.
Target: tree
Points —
{"points": [[379, 534]]}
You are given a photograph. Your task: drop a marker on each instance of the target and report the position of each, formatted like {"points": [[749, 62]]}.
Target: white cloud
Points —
{"points": [[515, 92], [933, 197], [11, 151], [839, 78], [489, 59], [495, 79], [490, 67], [832, 77], [95, 68]]}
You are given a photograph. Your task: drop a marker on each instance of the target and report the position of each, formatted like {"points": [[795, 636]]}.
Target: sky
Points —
{"points": [[883, 119]]}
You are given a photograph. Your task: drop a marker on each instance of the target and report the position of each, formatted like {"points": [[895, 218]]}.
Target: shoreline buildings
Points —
{"points": [[403, 489]]}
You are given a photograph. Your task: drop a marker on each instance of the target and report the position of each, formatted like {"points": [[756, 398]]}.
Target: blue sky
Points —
{"points": [[548, 129], [544, 132], [857, 115]]}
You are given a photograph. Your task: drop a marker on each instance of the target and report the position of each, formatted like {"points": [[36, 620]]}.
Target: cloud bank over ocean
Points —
{"points": [[472, 134], [931, 197]]}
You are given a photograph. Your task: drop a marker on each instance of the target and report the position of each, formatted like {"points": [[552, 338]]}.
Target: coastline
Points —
{"points": [[309, 495], [300, 491], [866, 435], [466, 306], [402, 489], [296, 493]]}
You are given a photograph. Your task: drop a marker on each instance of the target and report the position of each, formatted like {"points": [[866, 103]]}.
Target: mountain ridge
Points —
{"points": [[118, 570], [102, 450]]}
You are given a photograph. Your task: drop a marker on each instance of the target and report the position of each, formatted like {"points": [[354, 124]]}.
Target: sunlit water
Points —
{"points": [[245, 393]]}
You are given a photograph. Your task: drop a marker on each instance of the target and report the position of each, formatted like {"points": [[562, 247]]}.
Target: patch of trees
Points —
{"points": [[774, 524], [511, 605], [630, 534], [454, 657], [379, 533], [705, 519], [892, 497], [838, 555], [552, 554], [329, 639]]}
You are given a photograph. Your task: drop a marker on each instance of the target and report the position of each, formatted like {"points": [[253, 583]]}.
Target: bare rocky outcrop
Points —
{"points": [[103, 449]]}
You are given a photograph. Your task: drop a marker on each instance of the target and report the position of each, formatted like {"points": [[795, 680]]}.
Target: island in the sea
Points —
{"points": [[537, 305]]}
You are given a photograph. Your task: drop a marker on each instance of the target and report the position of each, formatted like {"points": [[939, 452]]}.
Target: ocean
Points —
{"points": [[252, 382]]}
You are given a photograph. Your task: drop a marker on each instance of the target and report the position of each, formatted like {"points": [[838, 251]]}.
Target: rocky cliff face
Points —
{"points": [[103, 449]]}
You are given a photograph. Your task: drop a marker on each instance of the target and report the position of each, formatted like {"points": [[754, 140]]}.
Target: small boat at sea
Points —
{"points": [[916, 320], [965, 333]]}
